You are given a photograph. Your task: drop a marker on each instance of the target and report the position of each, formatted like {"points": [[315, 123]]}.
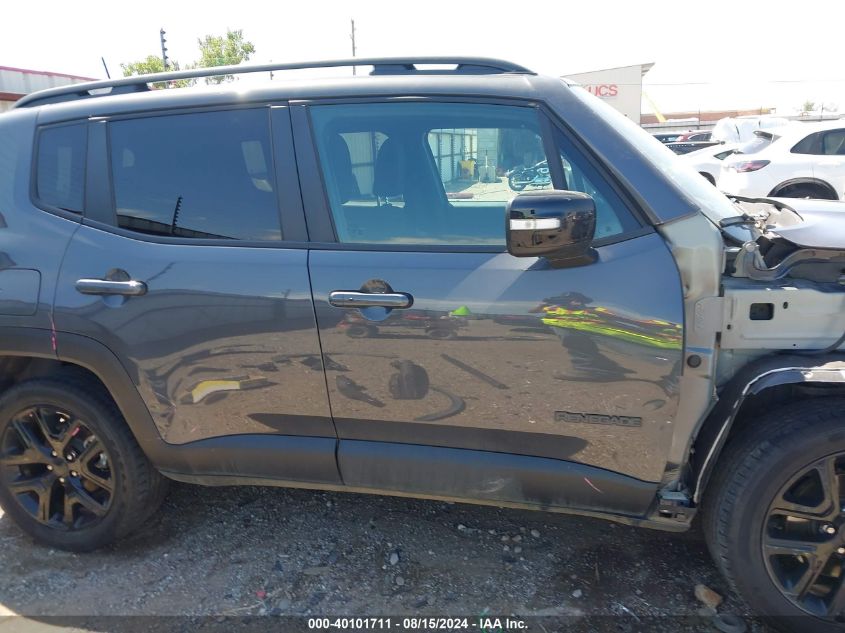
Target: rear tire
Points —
{"points": [[760, 547], [98, 489], [804, 191]]}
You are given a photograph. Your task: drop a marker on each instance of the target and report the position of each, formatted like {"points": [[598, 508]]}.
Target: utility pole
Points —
{"points": [[163, 48], [353, 45]]}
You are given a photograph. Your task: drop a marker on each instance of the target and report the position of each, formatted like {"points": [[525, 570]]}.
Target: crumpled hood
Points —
{"points": [[823, 224]]}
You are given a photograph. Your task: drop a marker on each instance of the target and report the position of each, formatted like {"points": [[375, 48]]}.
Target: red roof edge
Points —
{"points": [[46, 72]]}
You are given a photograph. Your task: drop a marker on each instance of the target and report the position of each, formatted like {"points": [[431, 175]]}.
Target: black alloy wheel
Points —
{"points": [[804, 539], [772, 514], [72, 474], [57, 469]]}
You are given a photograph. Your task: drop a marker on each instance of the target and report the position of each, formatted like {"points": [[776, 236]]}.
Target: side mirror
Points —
{"points": [[557, 225]]}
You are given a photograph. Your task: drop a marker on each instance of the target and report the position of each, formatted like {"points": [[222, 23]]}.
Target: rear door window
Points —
{"points": [[60, 170], [205, 175]]}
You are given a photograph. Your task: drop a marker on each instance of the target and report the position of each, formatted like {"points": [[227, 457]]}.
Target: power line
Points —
{"points": [[352, 36]]}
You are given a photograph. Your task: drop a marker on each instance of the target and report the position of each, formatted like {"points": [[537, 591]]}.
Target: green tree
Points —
{"points": [[224, 50], [808, 106], [151, 64], [215, 50], [154, 64]]}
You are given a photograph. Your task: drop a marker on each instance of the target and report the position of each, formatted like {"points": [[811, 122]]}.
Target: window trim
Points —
{"points": [[824, 140], [631, 201], [817, 143], [33, 174], [99, 200], [316, 201], [290, 213]]}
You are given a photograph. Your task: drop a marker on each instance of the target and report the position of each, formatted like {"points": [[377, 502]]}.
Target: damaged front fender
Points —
{"points": [[755, 378]]}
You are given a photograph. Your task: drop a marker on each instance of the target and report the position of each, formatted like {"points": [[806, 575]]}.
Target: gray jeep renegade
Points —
{"points": [[451, 279]]}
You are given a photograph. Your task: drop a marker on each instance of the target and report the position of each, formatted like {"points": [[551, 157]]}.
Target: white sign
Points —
{"points": [[621, 87]]}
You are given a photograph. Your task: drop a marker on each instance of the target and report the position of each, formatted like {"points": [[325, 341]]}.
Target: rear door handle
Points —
{"points": [[107, 287], [352, 299]]}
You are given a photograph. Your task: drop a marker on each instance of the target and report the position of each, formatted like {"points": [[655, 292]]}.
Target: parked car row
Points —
{"points": [[686, 142], [802, 160], [683, 137]]}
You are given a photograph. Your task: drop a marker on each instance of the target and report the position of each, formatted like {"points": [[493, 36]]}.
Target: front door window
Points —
{"points": [[427, 173]]}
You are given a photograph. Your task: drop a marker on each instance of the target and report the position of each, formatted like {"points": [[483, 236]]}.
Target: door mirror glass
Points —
{"points": [[557, 225]]}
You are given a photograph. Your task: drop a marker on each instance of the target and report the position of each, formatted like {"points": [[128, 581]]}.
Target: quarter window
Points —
{"points": [[60, 173], [834, 143], [809, 145], [203, 175]]}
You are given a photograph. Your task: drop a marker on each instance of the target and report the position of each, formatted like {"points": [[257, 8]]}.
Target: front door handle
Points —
{"points": [[107, 287], [354, 299]]}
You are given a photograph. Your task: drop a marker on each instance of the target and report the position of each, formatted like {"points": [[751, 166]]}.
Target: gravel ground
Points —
{"points": [[224, 555]]}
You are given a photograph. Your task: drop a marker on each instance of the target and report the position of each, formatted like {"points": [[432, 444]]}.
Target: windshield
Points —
{"points": [[714, 204]]}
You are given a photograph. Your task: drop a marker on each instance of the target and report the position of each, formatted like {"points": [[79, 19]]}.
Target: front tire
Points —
{"points": [[72, 475], [774, 516]]}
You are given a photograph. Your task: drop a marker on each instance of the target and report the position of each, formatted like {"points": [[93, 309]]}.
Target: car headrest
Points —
{"points": [[341, 166], [389, 180]]}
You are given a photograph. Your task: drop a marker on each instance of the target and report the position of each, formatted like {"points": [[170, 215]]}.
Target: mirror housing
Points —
{"points": [[557, 225]]}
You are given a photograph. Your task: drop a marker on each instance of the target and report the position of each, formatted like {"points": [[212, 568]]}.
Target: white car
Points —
{"points": [[708, 161], [802, 160]]}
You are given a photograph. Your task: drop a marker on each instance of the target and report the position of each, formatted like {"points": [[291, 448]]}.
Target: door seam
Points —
{"points": [[323, 366]]}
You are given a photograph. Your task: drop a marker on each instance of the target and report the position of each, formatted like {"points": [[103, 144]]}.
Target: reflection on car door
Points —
{"points": [[456, 369], [221, 338]]}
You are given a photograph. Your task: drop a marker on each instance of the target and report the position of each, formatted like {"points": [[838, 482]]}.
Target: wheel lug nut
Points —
{"points": [[73, 473], [828, 529], [54, 454], [69, 458], [49, 467], [841, 550], [61, 480]]}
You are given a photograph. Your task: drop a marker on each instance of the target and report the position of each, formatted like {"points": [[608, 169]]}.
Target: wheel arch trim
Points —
{"points": [[766, 373], [96, 358], [806, 180]]}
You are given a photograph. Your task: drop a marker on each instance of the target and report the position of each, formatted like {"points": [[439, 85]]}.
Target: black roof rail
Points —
{"points": [[381, 66]]}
